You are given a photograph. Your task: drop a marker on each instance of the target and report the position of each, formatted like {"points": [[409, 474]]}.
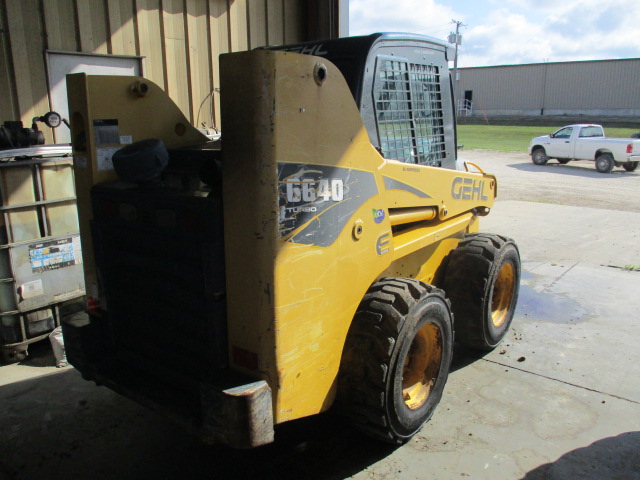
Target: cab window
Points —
{"points": [[563, 132], [588, 132], [409, 111]]}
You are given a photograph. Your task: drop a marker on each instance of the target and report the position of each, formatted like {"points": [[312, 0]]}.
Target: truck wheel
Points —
{"points": [[563, 161], [539, 156], [604, 163], [396, 358], [482, 280], [630, 166]]}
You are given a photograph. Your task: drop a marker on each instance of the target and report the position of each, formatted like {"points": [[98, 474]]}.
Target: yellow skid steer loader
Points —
{"points": [[316, 255]]}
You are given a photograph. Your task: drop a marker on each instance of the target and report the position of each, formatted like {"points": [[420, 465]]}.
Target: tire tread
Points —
{"points": [[476, 252], [377, 322]]}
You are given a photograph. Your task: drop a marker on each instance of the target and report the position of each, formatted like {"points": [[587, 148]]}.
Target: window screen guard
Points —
{"points": [[408, 109]]}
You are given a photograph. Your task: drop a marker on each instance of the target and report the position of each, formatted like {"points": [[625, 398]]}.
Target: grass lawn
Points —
{"points": [[508, 138]]}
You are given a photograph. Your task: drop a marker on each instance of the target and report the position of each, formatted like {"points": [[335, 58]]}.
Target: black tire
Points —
{"points": [[563, 161], [141, 162], [635, 135], [630, 166], [604, 163], [396, 359], [482, 280], [539, 156]]}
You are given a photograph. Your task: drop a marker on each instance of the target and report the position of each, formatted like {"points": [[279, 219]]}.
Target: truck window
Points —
{"points": [[563, 132], [408, 111], [586, 132]]}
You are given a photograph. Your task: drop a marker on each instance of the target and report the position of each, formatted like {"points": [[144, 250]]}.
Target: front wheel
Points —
{"points": [[604, 163], [396, 358], [482, 280], [539, 156], [630, 166]]}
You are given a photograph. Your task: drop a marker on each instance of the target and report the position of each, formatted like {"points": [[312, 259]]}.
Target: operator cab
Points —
{"points": [[402, 87]]}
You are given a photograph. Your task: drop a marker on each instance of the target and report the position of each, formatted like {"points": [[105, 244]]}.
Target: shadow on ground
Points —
{"points": [[463, 357], [40, 355], [61, 427], [580, 169], [607, 459]]}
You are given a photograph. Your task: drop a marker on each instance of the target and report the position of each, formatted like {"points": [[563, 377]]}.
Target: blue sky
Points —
{"points": [[503, 32]]}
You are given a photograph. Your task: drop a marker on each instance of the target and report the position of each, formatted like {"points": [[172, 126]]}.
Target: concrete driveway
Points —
{"points": [[559, 399]]}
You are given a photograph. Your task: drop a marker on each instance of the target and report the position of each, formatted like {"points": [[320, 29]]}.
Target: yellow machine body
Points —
{"points": [[313, 214], [107, 113], [290, 303]]}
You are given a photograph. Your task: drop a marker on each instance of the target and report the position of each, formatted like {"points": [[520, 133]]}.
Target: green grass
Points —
{"points": [[515, 138]]}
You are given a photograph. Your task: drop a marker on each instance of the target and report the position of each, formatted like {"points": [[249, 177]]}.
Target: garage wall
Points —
{"points": [[179, 40], [599, 87]]}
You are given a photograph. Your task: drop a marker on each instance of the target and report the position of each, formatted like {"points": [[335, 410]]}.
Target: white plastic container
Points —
{"points": [[40, 252], [57, 184]]}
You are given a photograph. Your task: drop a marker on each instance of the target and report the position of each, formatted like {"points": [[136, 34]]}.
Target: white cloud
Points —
{"points": [[513, 31], [583, 30], [425, 17], [506, 39]]}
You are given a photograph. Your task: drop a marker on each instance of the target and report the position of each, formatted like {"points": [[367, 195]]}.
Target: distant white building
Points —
{"points": [[589, 88]]}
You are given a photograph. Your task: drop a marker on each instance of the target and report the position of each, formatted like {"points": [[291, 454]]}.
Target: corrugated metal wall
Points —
{"points": [[180, 41], [601, 87]]}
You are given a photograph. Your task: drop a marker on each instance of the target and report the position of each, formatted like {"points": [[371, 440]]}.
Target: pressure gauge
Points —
{"points": [[52, 119]]}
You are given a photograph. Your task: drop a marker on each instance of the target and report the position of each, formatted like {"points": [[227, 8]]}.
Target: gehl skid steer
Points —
{"points": [[316, 256]]}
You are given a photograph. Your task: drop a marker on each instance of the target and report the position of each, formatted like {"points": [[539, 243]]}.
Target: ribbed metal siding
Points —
{"points": [[603, 85], [179, 39], [609, 84]]}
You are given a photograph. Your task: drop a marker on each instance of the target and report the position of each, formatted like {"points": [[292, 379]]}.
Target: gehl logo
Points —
{"points": [[316, 49], [468, 189]]}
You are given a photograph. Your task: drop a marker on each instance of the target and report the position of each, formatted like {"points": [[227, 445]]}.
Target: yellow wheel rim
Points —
{"points": [[503, 291], [421, 366]]}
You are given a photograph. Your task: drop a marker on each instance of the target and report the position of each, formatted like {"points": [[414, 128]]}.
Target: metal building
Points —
{"points": [[174, 43], [598, 87]]}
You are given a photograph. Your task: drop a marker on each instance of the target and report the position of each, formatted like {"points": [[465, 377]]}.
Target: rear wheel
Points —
{"points": [[482, 280], [539, 156], [630, 166], [604, 163], [396, 358]]}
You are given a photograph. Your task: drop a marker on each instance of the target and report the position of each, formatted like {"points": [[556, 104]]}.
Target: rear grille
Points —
{"points": [[160, 262]]}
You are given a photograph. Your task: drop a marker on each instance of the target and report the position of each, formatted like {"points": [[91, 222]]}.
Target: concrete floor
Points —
{"points": [[559, 399]]}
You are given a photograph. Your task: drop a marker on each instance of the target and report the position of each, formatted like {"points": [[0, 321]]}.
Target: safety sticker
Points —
{"points": [[378, 215], [31, 289], [54, 254], [106, 132], [105, 158]]}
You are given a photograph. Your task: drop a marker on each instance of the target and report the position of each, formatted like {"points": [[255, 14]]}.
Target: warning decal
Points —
{"points": [[54, 254]]}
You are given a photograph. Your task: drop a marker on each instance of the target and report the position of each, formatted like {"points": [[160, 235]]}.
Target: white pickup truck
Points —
{"points": [[586, 142]]}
